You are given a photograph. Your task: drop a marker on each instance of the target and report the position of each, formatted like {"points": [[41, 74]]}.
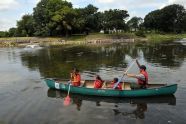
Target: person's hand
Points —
{"points": [[69, 82], [71, 75], [137, 61]]}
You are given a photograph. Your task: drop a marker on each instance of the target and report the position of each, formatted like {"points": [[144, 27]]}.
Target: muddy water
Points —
{"points": [[25, 98]]}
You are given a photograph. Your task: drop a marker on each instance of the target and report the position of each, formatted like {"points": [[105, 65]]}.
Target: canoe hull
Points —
{"points": [[164, 90], [169, 99]]}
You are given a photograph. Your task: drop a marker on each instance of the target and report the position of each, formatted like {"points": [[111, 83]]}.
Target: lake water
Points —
{"points": [[25, 98]]}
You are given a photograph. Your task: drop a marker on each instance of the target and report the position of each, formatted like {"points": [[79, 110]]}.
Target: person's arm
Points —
{"points": [[94, 83], [131, 75], [71, 76], [139, 76], [137, 63]]}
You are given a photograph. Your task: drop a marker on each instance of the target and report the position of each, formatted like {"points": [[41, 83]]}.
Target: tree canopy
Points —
{"points": [[135, 23], [59, 18], [168, 19]]}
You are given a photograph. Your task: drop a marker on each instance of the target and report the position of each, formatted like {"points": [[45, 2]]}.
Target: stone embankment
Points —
{"points": [[109, 41], [22, 42]]}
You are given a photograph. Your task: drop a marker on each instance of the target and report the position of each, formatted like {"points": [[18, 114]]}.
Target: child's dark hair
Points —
{"points": [[75, 70], [115, 79], [98, 77]]}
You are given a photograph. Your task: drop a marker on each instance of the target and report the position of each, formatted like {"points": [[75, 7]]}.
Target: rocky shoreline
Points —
{"points": [[22, 42]]}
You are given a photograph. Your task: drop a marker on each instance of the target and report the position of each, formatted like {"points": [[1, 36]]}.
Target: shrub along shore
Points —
{"points": [[88, 39]]}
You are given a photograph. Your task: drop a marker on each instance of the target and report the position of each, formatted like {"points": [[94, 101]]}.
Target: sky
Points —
{"points": [[12, 10]]}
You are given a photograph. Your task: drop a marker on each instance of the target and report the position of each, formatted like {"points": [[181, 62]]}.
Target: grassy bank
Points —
{"points": [[75, 39], [79, 39], [164, 37]]}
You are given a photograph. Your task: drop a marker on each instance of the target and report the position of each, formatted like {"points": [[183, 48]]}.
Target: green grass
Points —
{"points": [[164, 37]]}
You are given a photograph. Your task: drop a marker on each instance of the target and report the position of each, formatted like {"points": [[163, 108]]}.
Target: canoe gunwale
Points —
{"points": [[66, 84]]}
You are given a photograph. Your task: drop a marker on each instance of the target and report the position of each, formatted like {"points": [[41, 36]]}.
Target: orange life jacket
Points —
{"points": [[76, 80]]}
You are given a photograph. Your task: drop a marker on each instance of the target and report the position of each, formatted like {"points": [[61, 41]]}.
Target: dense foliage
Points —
{"points": [[171, 18], [59, 18]]}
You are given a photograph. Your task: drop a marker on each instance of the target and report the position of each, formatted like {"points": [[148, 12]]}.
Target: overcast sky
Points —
{"points": [[13, 10]]}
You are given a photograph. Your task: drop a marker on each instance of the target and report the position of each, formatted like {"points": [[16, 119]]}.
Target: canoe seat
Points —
{"points": [[126, 86], [104, 85], [88, 84], [82, 83]]}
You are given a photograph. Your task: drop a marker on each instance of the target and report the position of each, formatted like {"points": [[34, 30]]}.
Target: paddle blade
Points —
{"points": [[67, 101]]}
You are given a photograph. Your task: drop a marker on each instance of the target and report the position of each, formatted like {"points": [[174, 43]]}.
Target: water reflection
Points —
{"points": [[169, 54], [138, 112], [58, 61], [22, 70], [139, 104]]}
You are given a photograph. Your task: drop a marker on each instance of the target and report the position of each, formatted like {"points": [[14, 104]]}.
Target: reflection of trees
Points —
{"points": [[57, 62], [165, 54], [139, 112]]}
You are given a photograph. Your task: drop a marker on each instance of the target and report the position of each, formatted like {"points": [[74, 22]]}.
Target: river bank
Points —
{"points": [[92, 39]]}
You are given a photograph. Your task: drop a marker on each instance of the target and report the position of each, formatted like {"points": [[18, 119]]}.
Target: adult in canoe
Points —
{"points": [[142, 77], [75, 77]]}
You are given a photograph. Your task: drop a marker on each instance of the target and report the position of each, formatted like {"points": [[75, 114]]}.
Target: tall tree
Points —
{"points": [[152, 20], [168, 19], [65, 19], [87, 19], [114, 19], [183, 25], [91, 21], [25, 27], [12, 32], [48, 14], [172, 17], [134, 23]]}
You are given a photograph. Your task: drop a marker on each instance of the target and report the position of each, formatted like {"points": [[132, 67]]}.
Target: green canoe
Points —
{"points": [[86, 88]]}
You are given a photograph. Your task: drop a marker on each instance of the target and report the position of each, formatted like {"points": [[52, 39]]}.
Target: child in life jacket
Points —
{"points": [[98, 82]]}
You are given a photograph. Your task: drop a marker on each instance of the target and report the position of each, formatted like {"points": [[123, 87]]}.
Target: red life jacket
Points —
{"points": [[98, 84], [119, 86], [142, 82]]}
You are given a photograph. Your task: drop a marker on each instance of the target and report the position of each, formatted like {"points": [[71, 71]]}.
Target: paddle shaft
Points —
{"points": [[124, 74], [68, 90]]}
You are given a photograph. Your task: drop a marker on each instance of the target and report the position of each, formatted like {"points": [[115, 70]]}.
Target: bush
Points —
{"points": [[4, 34], [140, 33], [106, 32]]}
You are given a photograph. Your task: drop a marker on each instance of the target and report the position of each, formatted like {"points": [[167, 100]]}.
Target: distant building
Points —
{"points": [[102, 32]]}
